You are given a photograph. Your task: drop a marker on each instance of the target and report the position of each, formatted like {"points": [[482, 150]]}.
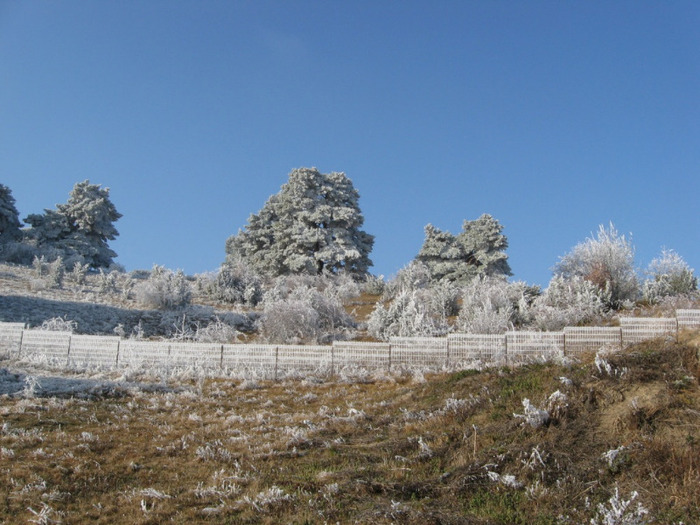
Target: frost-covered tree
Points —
{"points": [[478, 250], [79, 229], [669, 275], [312, 225], [411, 313], [9, 216], [607, 261]]}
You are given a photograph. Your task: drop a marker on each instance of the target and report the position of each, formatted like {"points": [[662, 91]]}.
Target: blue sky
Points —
{"points": [[554, 117]]}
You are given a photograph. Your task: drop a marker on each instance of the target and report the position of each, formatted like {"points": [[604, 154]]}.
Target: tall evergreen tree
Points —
{"points": [[9, 216], [80, 228], [478, 250], [312, 225]]}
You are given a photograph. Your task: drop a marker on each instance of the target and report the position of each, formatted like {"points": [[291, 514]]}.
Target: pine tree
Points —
{"points": [[80, 228], [312, 225], [9, 216], [478, 250]]}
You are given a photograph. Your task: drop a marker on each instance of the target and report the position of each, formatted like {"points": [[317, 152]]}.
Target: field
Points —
{"points": [[616, 436]]}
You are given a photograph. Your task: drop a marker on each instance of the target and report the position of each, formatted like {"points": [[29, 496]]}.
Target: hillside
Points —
{"points": [[620, 437]]}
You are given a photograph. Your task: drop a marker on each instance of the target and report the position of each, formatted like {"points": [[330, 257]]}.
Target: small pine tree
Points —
{"points": [[478, 250]]}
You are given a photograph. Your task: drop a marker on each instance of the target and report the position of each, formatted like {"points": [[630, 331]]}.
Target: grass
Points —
{"points": [[447, 448]]}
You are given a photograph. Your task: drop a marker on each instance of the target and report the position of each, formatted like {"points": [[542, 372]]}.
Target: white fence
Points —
{"points": [[456, 351]]}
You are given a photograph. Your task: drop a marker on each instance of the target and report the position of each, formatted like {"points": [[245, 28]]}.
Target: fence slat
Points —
{"points": [[639, 329], [582, 339]]}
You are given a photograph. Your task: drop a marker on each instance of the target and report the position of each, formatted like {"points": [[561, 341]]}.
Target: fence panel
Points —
{"points": [[295, 360], [349, 355], [638, 329], [93, 350], [52, 345], [525, 347], [196, 355], [144, 354], [250, 360], [581, 339], [688, 318], [10, 338], [470, 350], [421, 353]]}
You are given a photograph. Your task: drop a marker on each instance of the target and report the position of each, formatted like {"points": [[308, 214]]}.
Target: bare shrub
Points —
{"points": [[567, 302], [59, 324], [492, 305], [410, 313], [608, 262], [164, 289], [304, 315], [669, 275]]}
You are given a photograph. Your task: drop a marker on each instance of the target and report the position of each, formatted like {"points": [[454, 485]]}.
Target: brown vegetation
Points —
{"points": [[448, 448]]}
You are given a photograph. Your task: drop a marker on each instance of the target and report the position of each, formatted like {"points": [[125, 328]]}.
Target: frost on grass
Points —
{"points": [[619, 511], [267, 498], [533, 416]]}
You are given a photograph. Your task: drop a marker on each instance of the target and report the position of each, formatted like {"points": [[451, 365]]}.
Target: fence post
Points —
{"points": [[21, 338], [119, 347], [332, 358], [564, 341], [389, 369], [68, 354], [505, 347], [277, 353], [622, 340], [447, 357], [221, 358]]}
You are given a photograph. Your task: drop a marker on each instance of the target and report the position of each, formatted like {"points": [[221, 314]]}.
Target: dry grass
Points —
{"points": [[447, 448]]}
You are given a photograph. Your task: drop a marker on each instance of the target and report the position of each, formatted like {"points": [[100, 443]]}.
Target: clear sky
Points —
{"points": [[554, 117]]}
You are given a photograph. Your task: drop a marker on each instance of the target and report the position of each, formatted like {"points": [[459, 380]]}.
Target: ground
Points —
{"points": [[462, 447]]}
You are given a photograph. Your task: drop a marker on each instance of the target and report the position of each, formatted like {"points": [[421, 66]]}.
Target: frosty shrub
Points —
{"points": [[668, 275], [374, 285], [608, 262], [413, 276], [568, 302], [56, 272], [238, 283], [304, 315], [411, 313], [164, 289], [217, 332], [492, 305], [59, 324], [290, 321], [78, 273], [107, 282], [479, 249]]}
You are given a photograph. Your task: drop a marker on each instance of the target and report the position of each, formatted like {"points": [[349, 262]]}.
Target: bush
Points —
{"points": [[164, 289], [608, 262], [237, 283], [304, 315], [411, 313], [567, 302], [669, 275], [492, 305]]}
